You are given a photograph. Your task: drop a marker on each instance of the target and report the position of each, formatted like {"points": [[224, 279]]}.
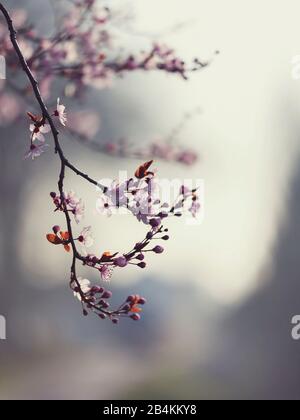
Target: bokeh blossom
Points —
{"points": [[84, 54]]}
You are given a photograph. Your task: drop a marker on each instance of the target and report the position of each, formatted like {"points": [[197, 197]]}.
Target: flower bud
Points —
{"points": [[102, 315], [120, 262], [135, 317], [115, 320], [142, 264], [107, 294], [165, 237], [158, 249], [53, 195], [56, 229], [142, 301], [155, 222], [140, 257]]}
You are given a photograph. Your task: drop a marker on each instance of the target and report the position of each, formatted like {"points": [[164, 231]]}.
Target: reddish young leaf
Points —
{"points": [[142, 170]]}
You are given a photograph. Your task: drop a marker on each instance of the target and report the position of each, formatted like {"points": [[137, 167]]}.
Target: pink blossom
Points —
{"points": [[61, 113], [146, 203], [86, 239], [160, 150], [26, 48], [116, 194], [78, 211], [103, 206], [71, 53], [71, 199], [187, 157], [19, 17], [84, 123], [106, 272], [35, 151], [75, 205], [38, 131], [85, 286], [195, 207], [9, 108], [101, 14]]}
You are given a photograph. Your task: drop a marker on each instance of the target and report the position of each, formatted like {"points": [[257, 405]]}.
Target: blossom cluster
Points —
{"points": [[140, 195], [39, 127], [96, 299], [83, 53], [157, 149], [73, 204]]}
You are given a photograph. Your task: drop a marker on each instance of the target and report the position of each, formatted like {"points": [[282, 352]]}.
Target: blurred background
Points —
{"points": [[220, 299]]}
